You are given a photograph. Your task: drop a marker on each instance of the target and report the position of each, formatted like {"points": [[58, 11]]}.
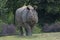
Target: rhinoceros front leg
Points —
{"points": [[20, 28], [28, 30], [21, 31]]}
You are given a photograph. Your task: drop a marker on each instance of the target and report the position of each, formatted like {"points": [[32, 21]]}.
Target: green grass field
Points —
{"points": [[41, 36]]}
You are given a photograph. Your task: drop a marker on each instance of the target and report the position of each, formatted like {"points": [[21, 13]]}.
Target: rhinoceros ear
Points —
{"points": [[35, 7], [28, 8]]}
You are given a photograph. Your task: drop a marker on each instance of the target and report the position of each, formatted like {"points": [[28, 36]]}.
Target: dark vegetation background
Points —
{"points": [[48, 13]]}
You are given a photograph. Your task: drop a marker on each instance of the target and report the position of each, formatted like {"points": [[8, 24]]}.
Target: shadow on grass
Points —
{"points": [[18, 36], [2, 35]]}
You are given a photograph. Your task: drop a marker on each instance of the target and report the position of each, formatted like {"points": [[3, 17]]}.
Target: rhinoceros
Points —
{"points": [[26, 17]]}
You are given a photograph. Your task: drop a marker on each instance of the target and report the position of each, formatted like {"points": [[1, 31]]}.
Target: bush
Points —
{"points": [[36, 29], [52, 28], [9, 29], [10, 18], [1, 22]]}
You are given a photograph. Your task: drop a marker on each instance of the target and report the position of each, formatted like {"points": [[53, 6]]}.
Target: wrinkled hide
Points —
{"points": [[23, 15], [27, 17]]}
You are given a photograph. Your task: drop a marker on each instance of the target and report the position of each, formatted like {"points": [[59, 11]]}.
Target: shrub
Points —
{"points": [[8, 29], [52, 28], [36, 29]]}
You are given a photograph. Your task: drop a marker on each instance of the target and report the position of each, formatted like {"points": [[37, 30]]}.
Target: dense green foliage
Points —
{"points": [[48, 10]]}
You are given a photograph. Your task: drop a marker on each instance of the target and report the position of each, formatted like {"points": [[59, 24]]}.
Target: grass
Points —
{"points": [[41, 36]]}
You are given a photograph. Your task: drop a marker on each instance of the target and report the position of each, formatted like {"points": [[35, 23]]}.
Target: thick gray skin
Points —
{"points": [[26, 17]]}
